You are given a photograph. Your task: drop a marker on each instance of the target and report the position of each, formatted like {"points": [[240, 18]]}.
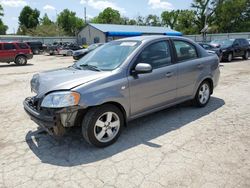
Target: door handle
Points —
{"points": [[169, 74]]}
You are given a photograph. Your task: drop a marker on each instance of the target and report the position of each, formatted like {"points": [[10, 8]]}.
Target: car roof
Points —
{"points": [[150, 37]]}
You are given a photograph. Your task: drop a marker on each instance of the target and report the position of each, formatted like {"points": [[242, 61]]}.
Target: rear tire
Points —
{"points": [[21, 60], [246, 55], [102, 125], [36, 51], [203, 94]]}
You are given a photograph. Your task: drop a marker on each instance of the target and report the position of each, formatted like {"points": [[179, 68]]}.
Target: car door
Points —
{"points": [[155, 89], [189, 68], [237, 48], [9, 52]]}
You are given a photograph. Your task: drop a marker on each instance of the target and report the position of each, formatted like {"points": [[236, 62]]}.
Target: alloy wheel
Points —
{"points": [[204, 93], [107, 127]]}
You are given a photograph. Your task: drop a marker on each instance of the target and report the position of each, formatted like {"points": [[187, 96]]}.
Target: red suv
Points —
{"points": [[17, 52]]}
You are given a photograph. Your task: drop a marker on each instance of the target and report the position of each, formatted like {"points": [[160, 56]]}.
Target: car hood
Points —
{"points": [[63, 79]]}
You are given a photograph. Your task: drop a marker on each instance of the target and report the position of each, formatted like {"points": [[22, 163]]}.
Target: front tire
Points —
{"points": [[101, 126], [246, 55], [203, 94]]}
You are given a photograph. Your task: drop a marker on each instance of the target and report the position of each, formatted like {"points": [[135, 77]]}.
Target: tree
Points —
{"points": [[108, 16], [45, 20], [140, 20], [50, 30], [170, 18], [3, 28], [232, 16], [69, 22], [29, 18], [153, 20], [204, 9], [186, 22], [181, 20]]}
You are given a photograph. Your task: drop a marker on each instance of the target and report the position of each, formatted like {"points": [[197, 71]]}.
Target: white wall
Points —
{"points": [[90, 33]]}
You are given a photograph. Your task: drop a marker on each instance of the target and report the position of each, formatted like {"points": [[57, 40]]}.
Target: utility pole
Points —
{"points": [[85, 15]]}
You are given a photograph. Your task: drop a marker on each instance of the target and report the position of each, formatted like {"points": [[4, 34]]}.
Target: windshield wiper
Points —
{"points": [[91, 67], [75, 67]]}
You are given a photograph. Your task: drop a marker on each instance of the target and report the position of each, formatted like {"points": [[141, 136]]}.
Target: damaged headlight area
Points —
{"points": [[61, 99]]}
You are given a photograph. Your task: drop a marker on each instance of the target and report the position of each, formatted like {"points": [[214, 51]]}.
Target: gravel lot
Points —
{"points": [[182, 146]]}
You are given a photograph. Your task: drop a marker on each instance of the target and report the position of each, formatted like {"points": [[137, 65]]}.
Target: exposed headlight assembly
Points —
{"points": [[61, 99]]}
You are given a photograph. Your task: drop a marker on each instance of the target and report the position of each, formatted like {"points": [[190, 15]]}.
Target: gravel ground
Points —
{"points": [[182, 146]]}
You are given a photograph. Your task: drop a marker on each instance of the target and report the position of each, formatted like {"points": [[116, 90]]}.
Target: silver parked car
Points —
{"points": [[120, 81]]}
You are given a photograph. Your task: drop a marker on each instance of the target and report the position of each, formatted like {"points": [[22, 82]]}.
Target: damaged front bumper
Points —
{"points": [[55, 121]]}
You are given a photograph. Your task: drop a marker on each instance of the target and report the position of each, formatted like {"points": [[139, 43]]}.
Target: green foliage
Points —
{"points": [[232, 16], [170, 18], [3, 28], [180, 20], [29, 18], [69, 22], [45, 20], [108, 16], [153, 20], [186, 22], [50, 30]]}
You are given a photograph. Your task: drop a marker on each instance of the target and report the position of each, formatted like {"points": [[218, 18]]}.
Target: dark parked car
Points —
{"points": [[120, 81], [36, 46], [212, 49], [17, 52], [78, 54], [231, 48], [67, 50]]}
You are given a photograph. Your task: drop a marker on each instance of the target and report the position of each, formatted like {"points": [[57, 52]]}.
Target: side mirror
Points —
{"points": [[143, 68]]}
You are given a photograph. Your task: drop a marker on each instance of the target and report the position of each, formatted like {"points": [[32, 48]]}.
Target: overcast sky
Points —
{"points": [[129, 8]]}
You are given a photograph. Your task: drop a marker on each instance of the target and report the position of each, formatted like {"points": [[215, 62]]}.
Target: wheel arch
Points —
{"points": [[211, 84], [118, 105], [18, 55]]}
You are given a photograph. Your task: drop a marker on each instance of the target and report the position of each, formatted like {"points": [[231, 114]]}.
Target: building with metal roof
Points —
{"points": [[95, 33]]}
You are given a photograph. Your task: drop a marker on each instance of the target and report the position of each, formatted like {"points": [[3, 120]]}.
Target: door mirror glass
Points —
{"points": [[142, 68]]}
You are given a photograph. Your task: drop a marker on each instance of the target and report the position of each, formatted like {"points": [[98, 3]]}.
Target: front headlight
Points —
{"points": [[61, 99]]}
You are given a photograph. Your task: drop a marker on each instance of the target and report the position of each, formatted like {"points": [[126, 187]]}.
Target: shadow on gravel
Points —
{"points": [[72, 150], [14, 65]]}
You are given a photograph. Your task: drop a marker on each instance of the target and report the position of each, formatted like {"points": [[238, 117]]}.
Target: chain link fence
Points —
{"points": [[211, 37], [44, 40]]}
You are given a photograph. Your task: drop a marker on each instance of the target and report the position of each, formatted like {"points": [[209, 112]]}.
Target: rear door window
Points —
{"points": [[185, 51], [22, 45], [9, 46]]}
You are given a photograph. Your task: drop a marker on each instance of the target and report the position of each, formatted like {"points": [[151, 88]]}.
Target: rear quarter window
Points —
{"points": [[22, 46]]}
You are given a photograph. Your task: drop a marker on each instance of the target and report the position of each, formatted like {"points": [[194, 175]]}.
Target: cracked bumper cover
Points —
{"points": [[61, 118]]}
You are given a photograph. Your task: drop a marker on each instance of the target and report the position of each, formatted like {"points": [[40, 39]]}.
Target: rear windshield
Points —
{"points": [[22, 45]]}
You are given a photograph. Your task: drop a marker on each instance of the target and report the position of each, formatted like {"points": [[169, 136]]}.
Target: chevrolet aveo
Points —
{"points": [[121, 81]]}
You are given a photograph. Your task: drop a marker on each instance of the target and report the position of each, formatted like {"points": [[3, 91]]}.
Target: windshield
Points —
{"points": [[223, 43], [109, 56]]}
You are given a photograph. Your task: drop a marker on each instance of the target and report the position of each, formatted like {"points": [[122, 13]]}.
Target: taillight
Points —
{"points": [[30, 51]]}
